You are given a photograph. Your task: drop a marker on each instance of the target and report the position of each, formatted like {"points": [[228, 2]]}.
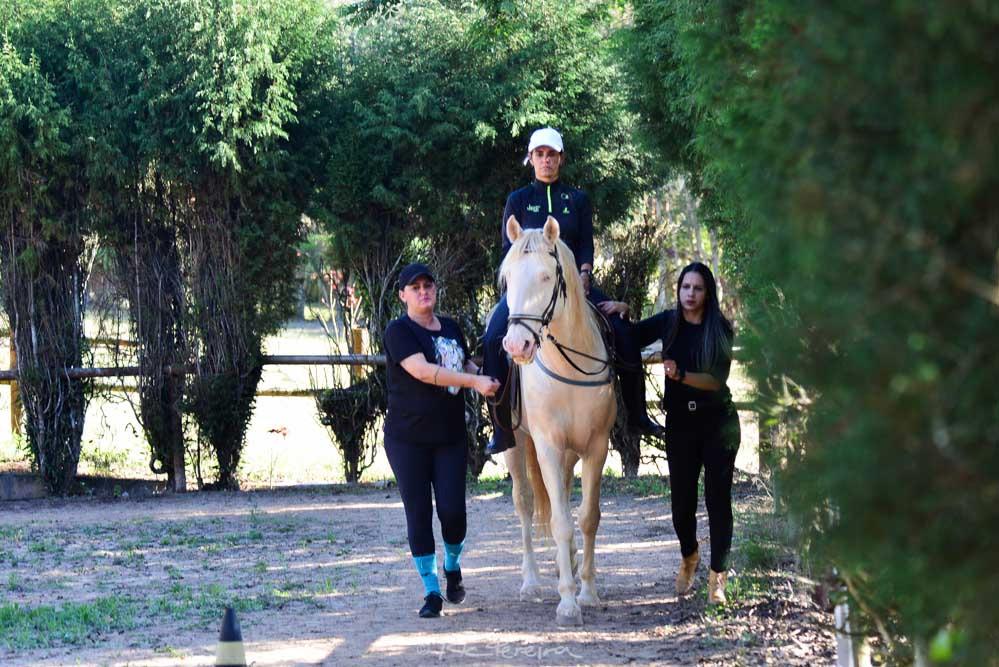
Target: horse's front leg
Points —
{"points": [[523, 502], [568, 612], [589, 521], [569, 461]]}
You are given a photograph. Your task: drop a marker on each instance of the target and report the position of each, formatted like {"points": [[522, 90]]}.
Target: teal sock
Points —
{"points": [[426, 566], [452, 556]]}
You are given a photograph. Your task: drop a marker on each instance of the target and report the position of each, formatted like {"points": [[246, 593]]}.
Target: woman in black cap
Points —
{"points": [[425, 439], [702, 425]]}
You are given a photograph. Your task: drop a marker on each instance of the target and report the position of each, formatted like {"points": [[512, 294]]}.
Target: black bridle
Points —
{"points": [[544, 333]]}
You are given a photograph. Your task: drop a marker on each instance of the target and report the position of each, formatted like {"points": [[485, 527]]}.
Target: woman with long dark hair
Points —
{"points": [[702, 426]]}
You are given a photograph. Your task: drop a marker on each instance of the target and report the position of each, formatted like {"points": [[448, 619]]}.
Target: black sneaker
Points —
{"points": [[432, 605], [499, 444], [455, 591]]}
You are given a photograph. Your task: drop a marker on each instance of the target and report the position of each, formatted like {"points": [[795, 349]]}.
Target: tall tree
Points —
{"points": [[852, 148]]}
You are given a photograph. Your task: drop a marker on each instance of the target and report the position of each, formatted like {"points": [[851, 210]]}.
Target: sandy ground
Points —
{"points": [[326, 578]]}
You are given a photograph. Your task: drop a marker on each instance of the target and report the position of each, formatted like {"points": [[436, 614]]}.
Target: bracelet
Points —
{"points": [[436, 373], [588, 272]]}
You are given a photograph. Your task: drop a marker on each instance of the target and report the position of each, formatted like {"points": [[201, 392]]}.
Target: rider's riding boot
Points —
{"points": [[500, 442], [503, 438], [633, 393]]}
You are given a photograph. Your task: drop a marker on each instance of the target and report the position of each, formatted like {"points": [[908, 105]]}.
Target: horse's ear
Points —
{"points": [[513, 229], [551, 230]]}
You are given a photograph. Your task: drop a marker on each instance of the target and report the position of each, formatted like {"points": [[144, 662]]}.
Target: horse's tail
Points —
{"points": [[542, 501]]}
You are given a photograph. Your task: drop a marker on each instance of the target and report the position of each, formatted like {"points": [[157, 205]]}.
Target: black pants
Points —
{"points": [[712, 443], [420, 469], [496, 363]]}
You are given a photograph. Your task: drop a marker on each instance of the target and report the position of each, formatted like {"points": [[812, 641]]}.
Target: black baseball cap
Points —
{"points": [[411, 272]]}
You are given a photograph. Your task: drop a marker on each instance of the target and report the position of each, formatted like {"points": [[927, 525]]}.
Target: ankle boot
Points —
{"points": [[503, 439], [716, 587], [685, 576]]}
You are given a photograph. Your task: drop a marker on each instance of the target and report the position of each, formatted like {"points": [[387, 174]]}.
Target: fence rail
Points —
{"points": [[8, 376]]}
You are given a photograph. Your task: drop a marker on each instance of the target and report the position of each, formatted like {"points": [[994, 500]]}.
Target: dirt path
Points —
{"points": [[326, 579]]}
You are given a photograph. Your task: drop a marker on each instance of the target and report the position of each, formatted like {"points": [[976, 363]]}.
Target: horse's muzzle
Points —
{"points": [[521, 348]]}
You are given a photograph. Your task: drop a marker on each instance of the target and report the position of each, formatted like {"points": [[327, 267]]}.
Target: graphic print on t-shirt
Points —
{"points": [[450, 356]]}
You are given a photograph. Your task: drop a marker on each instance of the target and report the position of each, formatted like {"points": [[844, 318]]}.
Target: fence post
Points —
{"points": [[357, 347]]}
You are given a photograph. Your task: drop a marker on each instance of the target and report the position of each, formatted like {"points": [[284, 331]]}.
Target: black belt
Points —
{"points": [[694, 407]]}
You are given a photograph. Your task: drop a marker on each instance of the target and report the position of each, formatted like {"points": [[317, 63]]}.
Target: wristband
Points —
{"points": [[682, 373]]}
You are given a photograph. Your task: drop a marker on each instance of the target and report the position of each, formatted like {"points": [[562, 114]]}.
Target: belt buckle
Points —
{"points": [[692, 406]]}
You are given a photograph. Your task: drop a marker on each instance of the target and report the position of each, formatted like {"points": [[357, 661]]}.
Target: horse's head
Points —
{"points": [[538, 271]]}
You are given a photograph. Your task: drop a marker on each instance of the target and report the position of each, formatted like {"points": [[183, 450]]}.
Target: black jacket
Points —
{"points": [[532, 205]]}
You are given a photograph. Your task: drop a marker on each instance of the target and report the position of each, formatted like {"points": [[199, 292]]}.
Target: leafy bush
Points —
{"points": [[351, 414]]}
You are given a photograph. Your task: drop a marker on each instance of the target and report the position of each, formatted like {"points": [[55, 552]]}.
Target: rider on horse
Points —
{"points": [[531, 206]]}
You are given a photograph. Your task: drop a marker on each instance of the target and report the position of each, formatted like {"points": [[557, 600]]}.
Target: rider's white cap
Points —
{"points": [[546, 136]]}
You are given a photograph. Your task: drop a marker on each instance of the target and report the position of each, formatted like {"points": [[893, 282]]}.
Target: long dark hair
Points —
{"points": [[718, 331]]}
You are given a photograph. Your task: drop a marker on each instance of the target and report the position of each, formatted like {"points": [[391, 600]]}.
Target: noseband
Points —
{"points": [[544, 333]]}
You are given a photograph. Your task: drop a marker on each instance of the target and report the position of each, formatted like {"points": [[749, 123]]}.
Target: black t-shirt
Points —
{"points": [[532, 205], [420, 413], [684, 350]]}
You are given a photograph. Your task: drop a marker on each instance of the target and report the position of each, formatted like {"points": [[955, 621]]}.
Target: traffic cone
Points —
{"points": [[230, 651]]}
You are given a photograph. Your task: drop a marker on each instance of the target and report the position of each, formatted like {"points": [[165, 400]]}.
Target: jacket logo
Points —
{"points": [[534, 209]]}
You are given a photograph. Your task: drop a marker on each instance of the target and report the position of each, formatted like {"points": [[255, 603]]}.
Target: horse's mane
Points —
{"points": [[578, 311]]}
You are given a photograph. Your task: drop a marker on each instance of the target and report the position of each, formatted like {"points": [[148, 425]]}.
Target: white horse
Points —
{"points": [[567, 407]]}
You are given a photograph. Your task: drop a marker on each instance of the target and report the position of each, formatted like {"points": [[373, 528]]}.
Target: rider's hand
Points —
{"points": [[485, 385], [587, 279], [671, 369], [613, 308]]}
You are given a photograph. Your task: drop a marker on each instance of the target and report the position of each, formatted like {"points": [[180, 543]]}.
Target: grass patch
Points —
{"points": [[765, 541], [15, 583], [11, 533], [45, 546], [641, 486], [25, 628], [203, 604], [493, 484]]}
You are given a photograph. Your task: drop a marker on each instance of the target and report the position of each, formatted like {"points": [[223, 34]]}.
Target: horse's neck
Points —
{"points": [[580, 333]]}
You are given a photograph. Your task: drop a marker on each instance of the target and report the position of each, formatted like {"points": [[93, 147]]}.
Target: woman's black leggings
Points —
{"points": [[418, 469], [712, 444]]}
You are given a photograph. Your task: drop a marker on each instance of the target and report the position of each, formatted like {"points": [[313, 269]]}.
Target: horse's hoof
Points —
{"points": [[571, 620], [568, 614], [588, 599], [531, 592]]}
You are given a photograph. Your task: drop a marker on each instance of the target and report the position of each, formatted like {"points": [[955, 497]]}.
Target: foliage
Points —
{"points": [[850, 151], [632, 248], [44, 155], [432, 120], [351, 413], [427, 128]]}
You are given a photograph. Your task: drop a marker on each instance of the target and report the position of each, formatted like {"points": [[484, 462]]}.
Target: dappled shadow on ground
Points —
{"points": [[326, 579]]}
